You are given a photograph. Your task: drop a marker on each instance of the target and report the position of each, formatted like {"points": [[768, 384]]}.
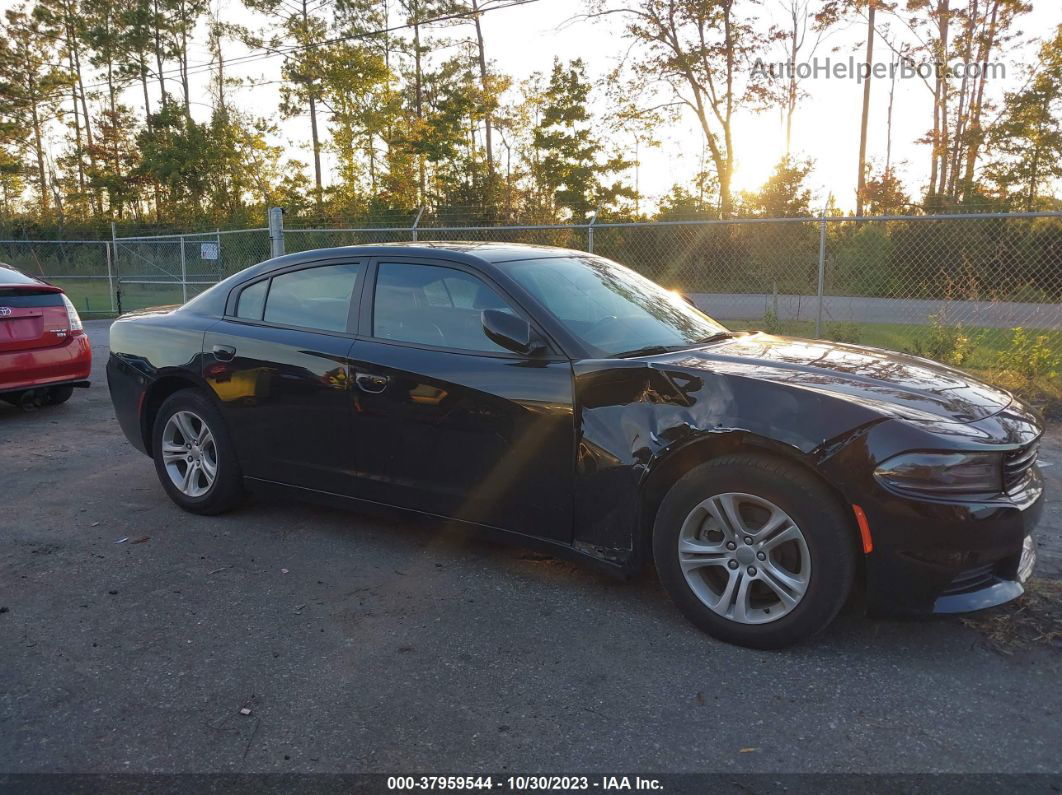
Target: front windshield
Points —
{"points": [[611, 309]]}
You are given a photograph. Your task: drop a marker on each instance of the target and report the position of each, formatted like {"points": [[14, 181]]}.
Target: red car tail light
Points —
{"points": [[72, 315]]}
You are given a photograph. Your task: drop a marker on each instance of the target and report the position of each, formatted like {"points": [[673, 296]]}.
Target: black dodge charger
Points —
{"points": [[562, 400]]}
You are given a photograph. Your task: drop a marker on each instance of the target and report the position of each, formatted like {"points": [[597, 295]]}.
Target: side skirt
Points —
{"points": [[496, 534]]}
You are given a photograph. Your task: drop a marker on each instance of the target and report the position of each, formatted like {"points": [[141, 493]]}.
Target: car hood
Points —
{"points": [[898, 384]]}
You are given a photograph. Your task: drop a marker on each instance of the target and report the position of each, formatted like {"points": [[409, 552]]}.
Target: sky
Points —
{"points": [[524, 39]]}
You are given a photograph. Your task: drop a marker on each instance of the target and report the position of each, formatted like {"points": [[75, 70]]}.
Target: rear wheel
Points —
{"points": [[754, 550], [58, 394], [194, 457]]}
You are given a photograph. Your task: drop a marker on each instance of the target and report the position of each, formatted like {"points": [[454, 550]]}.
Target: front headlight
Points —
{"points": [[943, 474]]}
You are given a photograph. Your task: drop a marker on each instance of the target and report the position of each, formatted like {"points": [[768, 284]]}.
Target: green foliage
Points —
{"points": [[771, 323], [842, 331], [944, 342], [1027, 138], [572, 157], [784, 195], [1029, 356]]}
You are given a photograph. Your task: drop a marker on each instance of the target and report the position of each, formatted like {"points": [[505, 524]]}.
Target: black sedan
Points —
{"points": [[560, 399]]}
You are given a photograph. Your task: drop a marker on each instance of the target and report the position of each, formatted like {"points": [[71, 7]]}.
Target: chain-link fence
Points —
{"points": [[954, 287], [170, 269], [83, 268]]}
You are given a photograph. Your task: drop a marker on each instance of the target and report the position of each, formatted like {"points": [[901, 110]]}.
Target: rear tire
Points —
{"points": [[194, 456], [58, 394], [754, 550]]}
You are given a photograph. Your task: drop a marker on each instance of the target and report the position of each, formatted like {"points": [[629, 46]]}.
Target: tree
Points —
{"points": [[63, 21], [118, 41], [972, 34], [801, 25], [885, 194], [702, 52], [30, 90], [831, 12], [301, 29], [784, 195], [572, 160], [1026, 141]]}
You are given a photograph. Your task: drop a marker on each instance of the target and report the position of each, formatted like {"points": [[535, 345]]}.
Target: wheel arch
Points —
{"points": [[156, 395], [667, 470]]}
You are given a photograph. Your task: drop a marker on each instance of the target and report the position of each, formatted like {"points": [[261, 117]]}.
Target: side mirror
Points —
{"points": [[511, 332]]}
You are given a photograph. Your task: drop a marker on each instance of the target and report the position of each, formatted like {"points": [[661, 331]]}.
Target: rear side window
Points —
{"points": [[433, 305], [317, 298], [252, 301]]}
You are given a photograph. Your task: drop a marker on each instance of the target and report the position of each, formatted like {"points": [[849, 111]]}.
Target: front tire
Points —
{"points": [[194, 456], [754, 551]]}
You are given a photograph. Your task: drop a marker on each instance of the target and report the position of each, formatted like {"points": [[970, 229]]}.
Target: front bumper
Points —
{"points": [[69, 362], [943, 558]]}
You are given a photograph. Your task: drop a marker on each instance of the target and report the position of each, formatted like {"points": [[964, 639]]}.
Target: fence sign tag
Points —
{"points": [[208, 250]]}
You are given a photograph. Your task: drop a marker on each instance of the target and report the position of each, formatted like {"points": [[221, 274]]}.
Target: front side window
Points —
{"points": [[611, 309], [317, 298], [433, 305]]}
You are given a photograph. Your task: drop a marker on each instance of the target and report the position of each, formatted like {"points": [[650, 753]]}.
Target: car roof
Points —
{"points": [[478, 251]]}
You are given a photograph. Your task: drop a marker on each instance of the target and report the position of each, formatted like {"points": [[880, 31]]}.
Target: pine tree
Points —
{"points": [[572, 158]]}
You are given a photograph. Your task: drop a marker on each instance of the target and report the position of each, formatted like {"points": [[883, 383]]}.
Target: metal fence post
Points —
{"points": [[416, 223], [822, 271], [184, 273], [590, 232], [117, 269], [276, 231], [110, 274]]}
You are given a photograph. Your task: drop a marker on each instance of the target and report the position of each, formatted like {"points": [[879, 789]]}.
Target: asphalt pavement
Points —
{"points": [[132, 635]]}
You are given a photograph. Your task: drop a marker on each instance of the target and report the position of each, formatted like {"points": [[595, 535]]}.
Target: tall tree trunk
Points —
{"points": [[888, 125], [79, 150], [314, 135], [943, 30], [159, 59], [861, 181], [487, 122], [318, 190], [184, 60], [726, 173], [964, 110], [38, 144], [144, 85], [791, 89], [419, 98], [75, 51], [976, 133]]}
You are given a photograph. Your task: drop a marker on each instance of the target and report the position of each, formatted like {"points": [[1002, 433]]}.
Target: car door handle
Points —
{"points": [[373, 384], [224, 353]]}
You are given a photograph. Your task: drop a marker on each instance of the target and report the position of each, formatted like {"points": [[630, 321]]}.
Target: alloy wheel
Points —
{"points": [[744, 558], [189, 453]]}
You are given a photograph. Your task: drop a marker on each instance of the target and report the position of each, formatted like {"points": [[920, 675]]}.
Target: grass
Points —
{"points": [[94, 296], [1034, 620]]}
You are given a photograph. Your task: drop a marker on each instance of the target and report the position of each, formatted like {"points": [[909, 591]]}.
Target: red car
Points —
{"points": [[44, 352]]}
